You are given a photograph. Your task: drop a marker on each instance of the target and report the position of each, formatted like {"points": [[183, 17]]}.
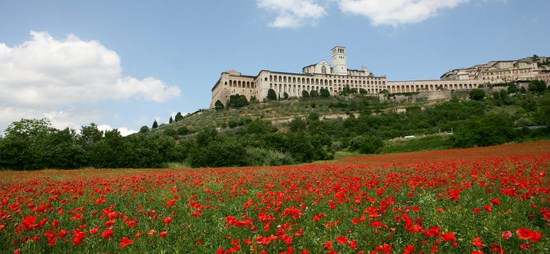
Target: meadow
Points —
{"points": [[476, 200]]}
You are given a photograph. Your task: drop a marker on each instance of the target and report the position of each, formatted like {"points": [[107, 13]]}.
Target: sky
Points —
{"points": [[123, 64]]}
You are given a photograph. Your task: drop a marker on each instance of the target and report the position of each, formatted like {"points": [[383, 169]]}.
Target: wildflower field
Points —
{"points": [[478, 200]]}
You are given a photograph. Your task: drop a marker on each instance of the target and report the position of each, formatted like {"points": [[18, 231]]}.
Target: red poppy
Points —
{"points": [[107, 234], [342, 240], [125, 242], [506, 235], [477, 242]]}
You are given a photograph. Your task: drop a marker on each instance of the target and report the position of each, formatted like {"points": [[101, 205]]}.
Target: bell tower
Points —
{"points": [[339, 65]]}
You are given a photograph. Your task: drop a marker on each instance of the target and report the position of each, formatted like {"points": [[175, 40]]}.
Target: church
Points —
{"points": [[336, 76], [333, 77]]}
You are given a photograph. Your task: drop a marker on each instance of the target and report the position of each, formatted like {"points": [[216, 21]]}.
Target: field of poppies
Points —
{"points": [[479, 200]]}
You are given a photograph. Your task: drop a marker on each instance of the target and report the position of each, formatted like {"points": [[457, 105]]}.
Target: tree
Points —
{"points": [[313, 94], [21, 147], [362, 91], [513, 88], [313, 116], [144, 129], [178, 117], [297, 124], [237, 101], [218, 105], [305, 94], [324, 92], [537, 86], [155, 125], [171, 120], [271, 95], [285, 96], [477, 94]]}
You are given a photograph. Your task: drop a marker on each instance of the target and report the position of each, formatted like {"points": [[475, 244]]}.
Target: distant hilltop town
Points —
{"points": [[336, 77]]}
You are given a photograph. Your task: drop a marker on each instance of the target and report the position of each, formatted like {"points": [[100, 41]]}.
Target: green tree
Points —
{"points": [[285, 95], [537, 86], [155, 125], [271, 95], [324, 92], [477, 94], [513, 88], [305, 94], [313, 94], [171, 120], [178, 117], [21, 145], [237, 101], [367, 144], [144, 129], [218, 105], [362, 91], [297, 124]]}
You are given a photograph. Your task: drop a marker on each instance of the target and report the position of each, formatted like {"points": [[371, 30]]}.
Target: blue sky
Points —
{"points": [[122, 64]]}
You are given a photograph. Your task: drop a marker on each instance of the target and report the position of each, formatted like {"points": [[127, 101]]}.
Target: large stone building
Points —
{"points": [[337, 76]]}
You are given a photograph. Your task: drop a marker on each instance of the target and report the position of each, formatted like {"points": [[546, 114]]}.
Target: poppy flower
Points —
{"points": [[107, 234], [125, 242]]}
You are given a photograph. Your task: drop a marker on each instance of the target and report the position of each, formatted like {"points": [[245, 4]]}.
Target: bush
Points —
{"points": [[256, 156], [367, 144]]}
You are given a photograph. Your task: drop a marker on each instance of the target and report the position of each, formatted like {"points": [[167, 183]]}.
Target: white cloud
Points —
{"points": [[293, 13], [397, 12], [43, 74], [123, 130]]}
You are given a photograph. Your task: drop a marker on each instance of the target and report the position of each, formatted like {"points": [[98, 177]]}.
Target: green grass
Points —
{"points": [[432, 142]]}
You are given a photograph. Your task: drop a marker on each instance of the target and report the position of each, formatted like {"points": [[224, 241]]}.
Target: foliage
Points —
{"points": [[271, 95], [178, 117], [324, 92], [367, 144], [537, 86], [305, 94], [237, 101], [218, 105], [477, 94]]}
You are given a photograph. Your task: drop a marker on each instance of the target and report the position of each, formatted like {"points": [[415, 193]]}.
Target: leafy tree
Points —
{"points": [[171, 120], [305, 94], [324, 92], [183, 130], [297, 124], [313, 94], [477, 94], [271, 95], [155, 125], [178, 117], [144, 129], [491, 129], [513, 88], [285, 95], [367, 144], [218, 105], [362, 91], [537, 86], [237, 101], [21, 143], [313, 116]]}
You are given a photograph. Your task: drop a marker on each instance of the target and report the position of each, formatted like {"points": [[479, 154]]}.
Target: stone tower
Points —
{"points": [[339, 65]]}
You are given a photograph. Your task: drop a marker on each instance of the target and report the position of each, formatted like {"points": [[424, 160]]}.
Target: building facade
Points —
{"points": [[338, 76]]}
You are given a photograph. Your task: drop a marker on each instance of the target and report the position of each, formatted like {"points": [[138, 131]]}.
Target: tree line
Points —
{"points": [[485, 120]]}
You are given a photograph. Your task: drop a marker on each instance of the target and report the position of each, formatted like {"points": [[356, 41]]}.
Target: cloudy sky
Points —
{"points": [[124, 63]]}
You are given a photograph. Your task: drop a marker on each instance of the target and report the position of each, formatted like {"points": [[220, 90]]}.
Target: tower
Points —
{"points": [[340, 66]]}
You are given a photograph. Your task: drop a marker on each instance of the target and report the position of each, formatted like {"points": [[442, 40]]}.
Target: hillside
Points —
{"points": [[290, 132]]}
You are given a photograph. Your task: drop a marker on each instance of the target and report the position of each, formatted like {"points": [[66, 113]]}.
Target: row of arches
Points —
{"points": [[406, 88], [241, 84]]}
